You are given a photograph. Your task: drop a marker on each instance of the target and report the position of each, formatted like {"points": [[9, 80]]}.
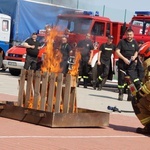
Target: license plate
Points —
{"points": [[12, 63]]}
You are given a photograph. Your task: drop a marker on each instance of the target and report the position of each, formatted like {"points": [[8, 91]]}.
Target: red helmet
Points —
{"points": [[145, 50]]}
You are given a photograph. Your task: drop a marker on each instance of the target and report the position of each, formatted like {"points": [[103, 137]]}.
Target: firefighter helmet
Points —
{"points": [[144, 50]]}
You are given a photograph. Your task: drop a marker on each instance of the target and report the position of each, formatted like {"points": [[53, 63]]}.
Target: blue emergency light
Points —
{"points": [[142, 13], [88, 13], [97, 13]]}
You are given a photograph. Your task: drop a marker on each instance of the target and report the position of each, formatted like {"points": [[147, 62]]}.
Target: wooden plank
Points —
{"points": [[74, 81], [67, 94], [58, 92], [37, 89], [29, 87], [21, 87], [72, 100], [44, 90], [51, 92]]}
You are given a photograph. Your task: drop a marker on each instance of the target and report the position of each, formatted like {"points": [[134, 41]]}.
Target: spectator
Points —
{"points": [[32, 49]]}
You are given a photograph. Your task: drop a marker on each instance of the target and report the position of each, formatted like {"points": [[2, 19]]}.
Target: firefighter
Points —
{"points": [[127, 51], [104, 60], [86, 46], [65, 49], [141, 103]]}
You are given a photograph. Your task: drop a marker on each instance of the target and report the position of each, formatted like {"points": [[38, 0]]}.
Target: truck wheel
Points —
{"points": [[14, 72]]}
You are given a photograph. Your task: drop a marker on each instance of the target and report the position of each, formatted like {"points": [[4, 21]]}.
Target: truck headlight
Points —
{"points": [[24, 56], [6, 54]]}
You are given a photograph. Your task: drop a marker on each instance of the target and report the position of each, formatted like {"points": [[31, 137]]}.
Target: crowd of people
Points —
{"points": [[130, 64]]}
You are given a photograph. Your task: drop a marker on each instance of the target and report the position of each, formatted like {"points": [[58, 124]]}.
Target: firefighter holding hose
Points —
{"points": [[141, 102]]}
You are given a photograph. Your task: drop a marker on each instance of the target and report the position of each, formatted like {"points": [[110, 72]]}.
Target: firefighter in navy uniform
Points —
{"points": [[127, 51], [141, 103], [104, 60], [87, 47]]}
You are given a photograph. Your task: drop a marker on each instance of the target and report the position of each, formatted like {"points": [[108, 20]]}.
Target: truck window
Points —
{"points": [[5, 25], [75, 25], [98, 29], [141, 27]]}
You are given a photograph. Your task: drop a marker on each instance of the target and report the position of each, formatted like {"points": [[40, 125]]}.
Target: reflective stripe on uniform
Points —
{"points": [[79, 77], [145, 120], [85, 77], [100, 78], [120, 86], [135, 80]]}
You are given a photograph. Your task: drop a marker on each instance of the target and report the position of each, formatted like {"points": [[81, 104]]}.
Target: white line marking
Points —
{"points": [[71, 137]]}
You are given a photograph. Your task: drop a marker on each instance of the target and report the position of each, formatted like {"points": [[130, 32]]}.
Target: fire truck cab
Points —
{"points": [[80, 23], [140, 23]]}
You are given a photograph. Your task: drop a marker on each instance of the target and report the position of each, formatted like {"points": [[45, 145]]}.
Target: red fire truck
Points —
{"points": [[140, 23]]}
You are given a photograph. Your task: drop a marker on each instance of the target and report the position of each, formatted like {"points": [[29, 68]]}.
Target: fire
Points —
{"points": [[51, 63], [52, 55], [74, 70]]}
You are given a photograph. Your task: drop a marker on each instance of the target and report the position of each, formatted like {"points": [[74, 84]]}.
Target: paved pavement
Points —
{"points": [[120, 134]]}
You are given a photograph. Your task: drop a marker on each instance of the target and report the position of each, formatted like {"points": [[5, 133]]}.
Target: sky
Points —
{"points": [[126, 4], [118, 10]]}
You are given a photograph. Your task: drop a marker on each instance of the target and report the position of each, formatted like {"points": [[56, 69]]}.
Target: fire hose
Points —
{"points": [[115, 109]]}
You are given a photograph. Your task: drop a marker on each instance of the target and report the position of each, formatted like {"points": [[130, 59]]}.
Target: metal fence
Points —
{"points": [[121, 15]]}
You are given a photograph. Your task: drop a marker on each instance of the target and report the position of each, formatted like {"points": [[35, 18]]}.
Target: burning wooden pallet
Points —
{"points": [[49, 99]]}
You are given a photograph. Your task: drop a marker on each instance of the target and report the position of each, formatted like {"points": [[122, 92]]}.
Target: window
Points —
{"points": [[75, 25], [5, 25], [141, 26], [98, 29]]}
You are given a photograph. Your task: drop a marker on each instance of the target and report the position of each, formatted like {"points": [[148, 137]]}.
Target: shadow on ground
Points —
{"points": [[107, 97], [122, 128]]}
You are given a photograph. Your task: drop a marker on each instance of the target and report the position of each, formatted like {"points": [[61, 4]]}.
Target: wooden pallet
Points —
{"points": [[49, 99]]}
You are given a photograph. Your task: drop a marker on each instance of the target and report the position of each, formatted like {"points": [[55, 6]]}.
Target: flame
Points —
{"points": [[52, 55], [51, 63], [74, 71]]}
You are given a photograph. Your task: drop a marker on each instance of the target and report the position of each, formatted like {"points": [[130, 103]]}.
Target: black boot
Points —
{"points": [[94, 85], [129, 98], [120, 97], [99, 83], [145, 130], [99, 87], [85, 83]]}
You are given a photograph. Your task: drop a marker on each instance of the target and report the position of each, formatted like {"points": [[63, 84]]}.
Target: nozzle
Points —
{"points": [[113, 109]]}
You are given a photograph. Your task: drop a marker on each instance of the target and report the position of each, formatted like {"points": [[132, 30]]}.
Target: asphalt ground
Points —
{"points": [[119, 135]]}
